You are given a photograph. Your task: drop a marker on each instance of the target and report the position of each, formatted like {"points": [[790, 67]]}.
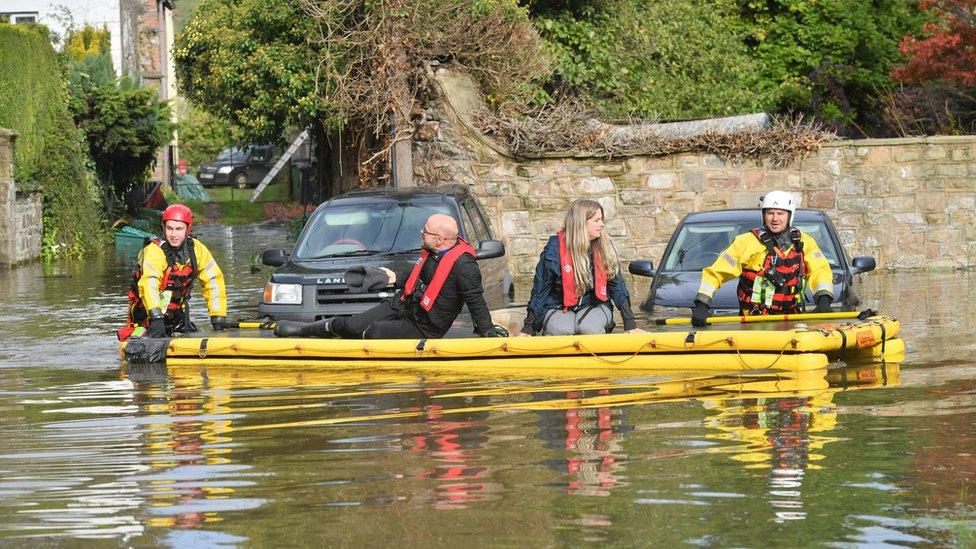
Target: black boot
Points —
{"points": [[289, 328], [320, 328], [293, 328]]}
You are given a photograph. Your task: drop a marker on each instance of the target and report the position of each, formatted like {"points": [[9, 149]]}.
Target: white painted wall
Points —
{"points": [[94, 12]]}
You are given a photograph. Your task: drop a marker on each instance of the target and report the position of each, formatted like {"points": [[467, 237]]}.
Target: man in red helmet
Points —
{"points": [[160, 292]]}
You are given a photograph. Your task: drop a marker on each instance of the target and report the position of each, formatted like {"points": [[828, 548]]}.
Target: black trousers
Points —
{"points": [[386, 320]]}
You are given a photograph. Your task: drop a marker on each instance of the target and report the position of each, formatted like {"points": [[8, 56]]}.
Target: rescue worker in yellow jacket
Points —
{"points": [[161, 286], [775, 264]]}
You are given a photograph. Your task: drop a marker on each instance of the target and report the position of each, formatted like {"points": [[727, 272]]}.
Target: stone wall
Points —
{"points": [[907, 202], [21, 226]]}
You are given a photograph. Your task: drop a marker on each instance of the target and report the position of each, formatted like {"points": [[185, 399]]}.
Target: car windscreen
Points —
{"points": [[232, 153], [383, 226], [697, 245]]}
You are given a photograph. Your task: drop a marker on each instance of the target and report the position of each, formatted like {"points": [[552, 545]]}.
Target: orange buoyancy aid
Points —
{"points": [[443, 269], [177, 280], [570, 298], [778, 287]]}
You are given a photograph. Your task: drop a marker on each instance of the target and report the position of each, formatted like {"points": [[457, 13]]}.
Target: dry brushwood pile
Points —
{"points": [[569, 126], [373, 53]]}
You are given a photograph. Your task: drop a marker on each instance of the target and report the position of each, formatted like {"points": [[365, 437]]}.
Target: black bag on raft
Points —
{"points": [[146, 350]]}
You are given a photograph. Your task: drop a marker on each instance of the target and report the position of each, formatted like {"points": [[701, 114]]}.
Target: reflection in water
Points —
{"points": [[787, 434], [590, 440], [452, 446], [763, 420], [198, 481]]}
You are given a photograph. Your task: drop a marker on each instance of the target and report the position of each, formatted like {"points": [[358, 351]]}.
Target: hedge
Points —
{"points": [[50, 153]]}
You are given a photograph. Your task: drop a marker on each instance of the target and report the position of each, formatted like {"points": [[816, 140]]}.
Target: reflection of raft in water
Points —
{"points": [[799, 348], [516, 390]]}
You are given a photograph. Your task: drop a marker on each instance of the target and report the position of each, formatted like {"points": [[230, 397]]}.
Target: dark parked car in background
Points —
{"points": [[379, 228], [242, 167], [700, 238]]}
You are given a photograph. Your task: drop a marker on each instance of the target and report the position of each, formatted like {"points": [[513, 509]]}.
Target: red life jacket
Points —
{"points": [[569, 281], [440, 273], [778, 287], [177, 279]]}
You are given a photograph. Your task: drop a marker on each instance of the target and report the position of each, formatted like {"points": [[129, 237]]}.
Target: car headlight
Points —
{"points": [[225, 169], [283, 294]]}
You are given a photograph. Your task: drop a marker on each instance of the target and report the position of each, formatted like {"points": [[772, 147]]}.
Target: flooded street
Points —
{"points": [[881, 454]]}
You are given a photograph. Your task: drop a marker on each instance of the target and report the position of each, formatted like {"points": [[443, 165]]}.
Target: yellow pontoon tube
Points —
{"points": [[796, 348]]}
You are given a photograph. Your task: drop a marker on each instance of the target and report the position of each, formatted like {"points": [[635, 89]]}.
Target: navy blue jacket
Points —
{"points": [[547, 291]]}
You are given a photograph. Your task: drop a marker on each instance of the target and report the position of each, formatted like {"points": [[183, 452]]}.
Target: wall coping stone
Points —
{"points": [[887, 142]]}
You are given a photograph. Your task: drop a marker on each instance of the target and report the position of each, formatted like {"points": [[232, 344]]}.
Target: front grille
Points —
{"points": [[335, 293]]}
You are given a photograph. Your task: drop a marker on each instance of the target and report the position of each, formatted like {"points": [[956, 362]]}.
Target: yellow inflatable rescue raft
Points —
{"points": [[798, 348]]}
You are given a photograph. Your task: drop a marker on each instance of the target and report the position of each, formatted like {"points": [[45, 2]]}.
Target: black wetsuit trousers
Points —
{"points": [[387, 320]]}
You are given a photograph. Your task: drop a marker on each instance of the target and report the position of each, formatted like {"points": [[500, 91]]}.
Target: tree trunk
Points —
{"points": [[401, 161]]}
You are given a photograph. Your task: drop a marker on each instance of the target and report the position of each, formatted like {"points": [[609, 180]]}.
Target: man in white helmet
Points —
{"points": [[775, 265]]}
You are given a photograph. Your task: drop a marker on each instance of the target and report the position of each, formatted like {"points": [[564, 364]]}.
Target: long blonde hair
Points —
{"points": [[578, 244]]}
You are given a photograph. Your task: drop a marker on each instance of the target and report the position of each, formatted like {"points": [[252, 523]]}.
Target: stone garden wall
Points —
{"points": [[21, 226], [910, 203]]}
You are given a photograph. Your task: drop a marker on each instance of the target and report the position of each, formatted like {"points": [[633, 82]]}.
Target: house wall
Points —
{"points": [[910, 203]]}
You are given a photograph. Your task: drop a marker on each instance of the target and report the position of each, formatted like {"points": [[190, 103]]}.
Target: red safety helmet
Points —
{"points": [[179, 212]]}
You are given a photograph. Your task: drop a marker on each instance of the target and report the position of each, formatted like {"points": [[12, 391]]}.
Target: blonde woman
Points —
{"points": [[578, 281]]}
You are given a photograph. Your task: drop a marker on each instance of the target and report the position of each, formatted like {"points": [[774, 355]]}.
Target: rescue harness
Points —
{"points": [[443, 269], [175, 288], [778, 287], [570, 297]]}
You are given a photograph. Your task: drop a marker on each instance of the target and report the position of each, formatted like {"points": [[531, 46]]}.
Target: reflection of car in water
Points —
{"points": [[239, 166], [378, 228], [700, 238]]}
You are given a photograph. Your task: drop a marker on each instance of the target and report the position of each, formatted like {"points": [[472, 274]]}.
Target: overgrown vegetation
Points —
{"points": [[270, 65], [939, 73], [252, 63], [203, 135], [51, 152], [567, 125], [671, 59], [682, 59], [359, 65], [124, 124]]}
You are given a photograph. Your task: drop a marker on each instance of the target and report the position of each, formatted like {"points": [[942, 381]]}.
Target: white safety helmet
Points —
{"points": [[779, 200]]}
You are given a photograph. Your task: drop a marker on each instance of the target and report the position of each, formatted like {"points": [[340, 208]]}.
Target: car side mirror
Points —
{"points": [[641, 267], [274, 258], [490, 249], [862, 264]]}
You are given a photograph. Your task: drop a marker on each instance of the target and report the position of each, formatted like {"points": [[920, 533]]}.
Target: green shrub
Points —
{"points": [[671, 59], [203, 135]]}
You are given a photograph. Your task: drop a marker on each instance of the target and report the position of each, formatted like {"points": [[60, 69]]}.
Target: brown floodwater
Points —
{"points": [[879, 455]]}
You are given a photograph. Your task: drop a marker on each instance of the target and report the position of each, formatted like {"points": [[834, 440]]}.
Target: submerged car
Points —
{"points": [[378, 228], [701, 237], [241, 167]]}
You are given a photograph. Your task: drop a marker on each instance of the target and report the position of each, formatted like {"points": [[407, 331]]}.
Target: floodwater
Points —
{"points": [[876, 455]]}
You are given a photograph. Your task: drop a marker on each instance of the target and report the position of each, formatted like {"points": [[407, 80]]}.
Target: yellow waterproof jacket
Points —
{"points": [[153, 262], [746, 252]]}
